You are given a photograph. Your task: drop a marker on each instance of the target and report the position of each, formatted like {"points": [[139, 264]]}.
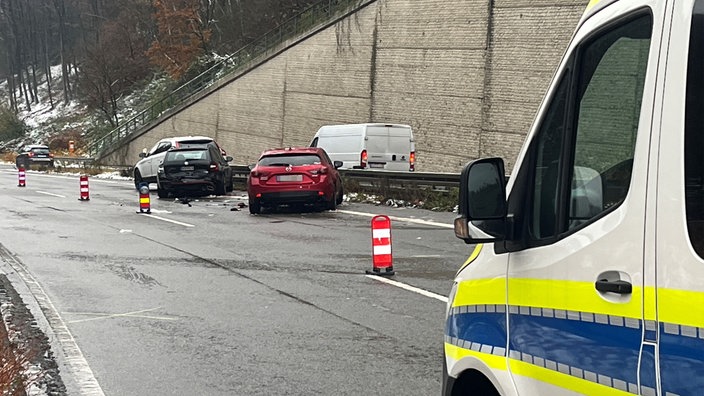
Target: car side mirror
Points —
{"points": [[229, 158], [482, 206], [337, 164], [251, 166]]}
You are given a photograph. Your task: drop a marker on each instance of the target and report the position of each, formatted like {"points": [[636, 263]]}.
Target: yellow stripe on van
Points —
{"points": [[682, 307], [472, 257], [570, 296], [480, 291], [591, 4], [457, 353], [561, 380]]}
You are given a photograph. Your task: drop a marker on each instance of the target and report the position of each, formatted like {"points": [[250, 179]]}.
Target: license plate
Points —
{"points": [[289, 178], [187, 168], [373, 165]]}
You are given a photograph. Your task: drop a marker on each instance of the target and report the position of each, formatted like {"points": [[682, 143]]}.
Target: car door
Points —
{"points": [[157, 158], [576, 262], [678, 237]]}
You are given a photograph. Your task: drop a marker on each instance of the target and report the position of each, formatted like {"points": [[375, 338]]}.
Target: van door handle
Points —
{"points": [[617, 286]]}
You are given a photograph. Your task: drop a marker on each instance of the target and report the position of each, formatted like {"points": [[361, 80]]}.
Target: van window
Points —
{"points": [[694, 135], [583, 153]]}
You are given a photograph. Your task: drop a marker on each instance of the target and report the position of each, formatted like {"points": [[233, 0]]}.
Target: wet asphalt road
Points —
{"points": [[223, 302]]}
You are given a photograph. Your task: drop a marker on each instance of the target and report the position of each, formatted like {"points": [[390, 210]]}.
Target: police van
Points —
{"points": [[587, 268]]}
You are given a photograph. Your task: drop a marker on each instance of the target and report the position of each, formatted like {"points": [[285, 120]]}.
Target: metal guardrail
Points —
{"points": [[380, 180], [295, 26]]}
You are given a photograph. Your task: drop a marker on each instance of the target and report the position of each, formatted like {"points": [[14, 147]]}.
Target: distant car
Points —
{"points": [[145, 170], [199, 170], [34, 154], [301, 175]]}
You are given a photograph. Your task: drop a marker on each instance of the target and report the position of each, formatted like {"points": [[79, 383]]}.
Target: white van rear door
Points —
{"points": [[678, 245], [578, 202], [389, 147]]}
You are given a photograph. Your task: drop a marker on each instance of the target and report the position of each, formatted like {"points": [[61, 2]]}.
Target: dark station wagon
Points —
{"points": [[199, 170]]}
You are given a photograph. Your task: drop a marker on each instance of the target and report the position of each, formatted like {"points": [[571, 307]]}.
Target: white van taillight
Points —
{"points": [[363, 159], [412, 161]]}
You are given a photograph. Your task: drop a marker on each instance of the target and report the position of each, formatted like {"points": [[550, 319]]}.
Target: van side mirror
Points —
{"points": [[482, 206], [337, 164]]}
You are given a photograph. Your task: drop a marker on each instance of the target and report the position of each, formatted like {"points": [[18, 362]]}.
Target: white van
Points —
{"points": [[369, 146], [587, 270]]}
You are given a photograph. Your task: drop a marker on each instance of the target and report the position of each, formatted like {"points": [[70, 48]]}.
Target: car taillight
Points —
{"points": [[51, 155], [412, 160], [214, 167], [31, 154], [259, 175], [363, 159]]}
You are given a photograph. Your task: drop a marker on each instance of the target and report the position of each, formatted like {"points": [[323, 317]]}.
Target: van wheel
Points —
{"points": [[254, 206]]}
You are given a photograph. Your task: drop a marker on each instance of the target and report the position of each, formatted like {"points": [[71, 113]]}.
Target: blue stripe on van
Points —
{"points": [[682, 359], [596, 349]]}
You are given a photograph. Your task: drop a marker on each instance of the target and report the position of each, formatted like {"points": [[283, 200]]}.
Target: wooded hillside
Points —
{"points": [[109, 47]]}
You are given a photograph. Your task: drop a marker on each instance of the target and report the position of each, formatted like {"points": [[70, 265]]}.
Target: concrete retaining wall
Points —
{"points": [[466, 74]]}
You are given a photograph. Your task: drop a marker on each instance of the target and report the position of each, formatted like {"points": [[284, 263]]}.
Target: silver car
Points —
{"points": [[145, 171]]}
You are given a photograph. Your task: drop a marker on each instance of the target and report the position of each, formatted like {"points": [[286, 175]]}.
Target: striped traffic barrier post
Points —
{"points": [[144, 200], [22, 180], [382, 258], [85, 195]]}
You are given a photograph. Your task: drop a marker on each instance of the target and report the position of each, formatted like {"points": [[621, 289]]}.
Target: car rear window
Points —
{"points": [[290, 159], [40, 151], [186, 155]]}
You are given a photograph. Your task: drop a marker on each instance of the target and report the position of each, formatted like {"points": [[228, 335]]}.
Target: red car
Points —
{"points": [[294, 175]]}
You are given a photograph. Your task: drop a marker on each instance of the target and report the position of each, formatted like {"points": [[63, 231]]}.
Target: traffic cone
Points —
{"points": [[85, 196], [21, 178], [382, 258]]}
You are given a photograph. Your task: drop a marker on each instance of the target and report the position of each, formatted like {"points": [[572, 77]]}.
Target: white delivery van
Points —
{"points": [[369, 146], [587, 269]]}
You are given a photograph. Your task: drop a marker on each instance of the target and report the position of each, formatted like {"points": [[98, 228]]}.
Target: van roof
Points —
{"points": [[374, 124]]}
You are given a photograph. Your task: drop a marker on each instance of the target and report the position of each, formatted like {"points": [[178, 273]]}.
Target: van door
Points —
{"points": [[578, 205], [679, 229], [389, 147]]}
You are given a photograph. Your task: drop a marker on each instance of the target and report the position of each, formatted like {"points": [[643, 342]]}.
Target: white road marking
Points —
{"points": [[161, 211], [125, 231], [135, 314], [76, 363], [168, 220], [48, 193], [404, 219], [92, 179], [408, 287]]}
